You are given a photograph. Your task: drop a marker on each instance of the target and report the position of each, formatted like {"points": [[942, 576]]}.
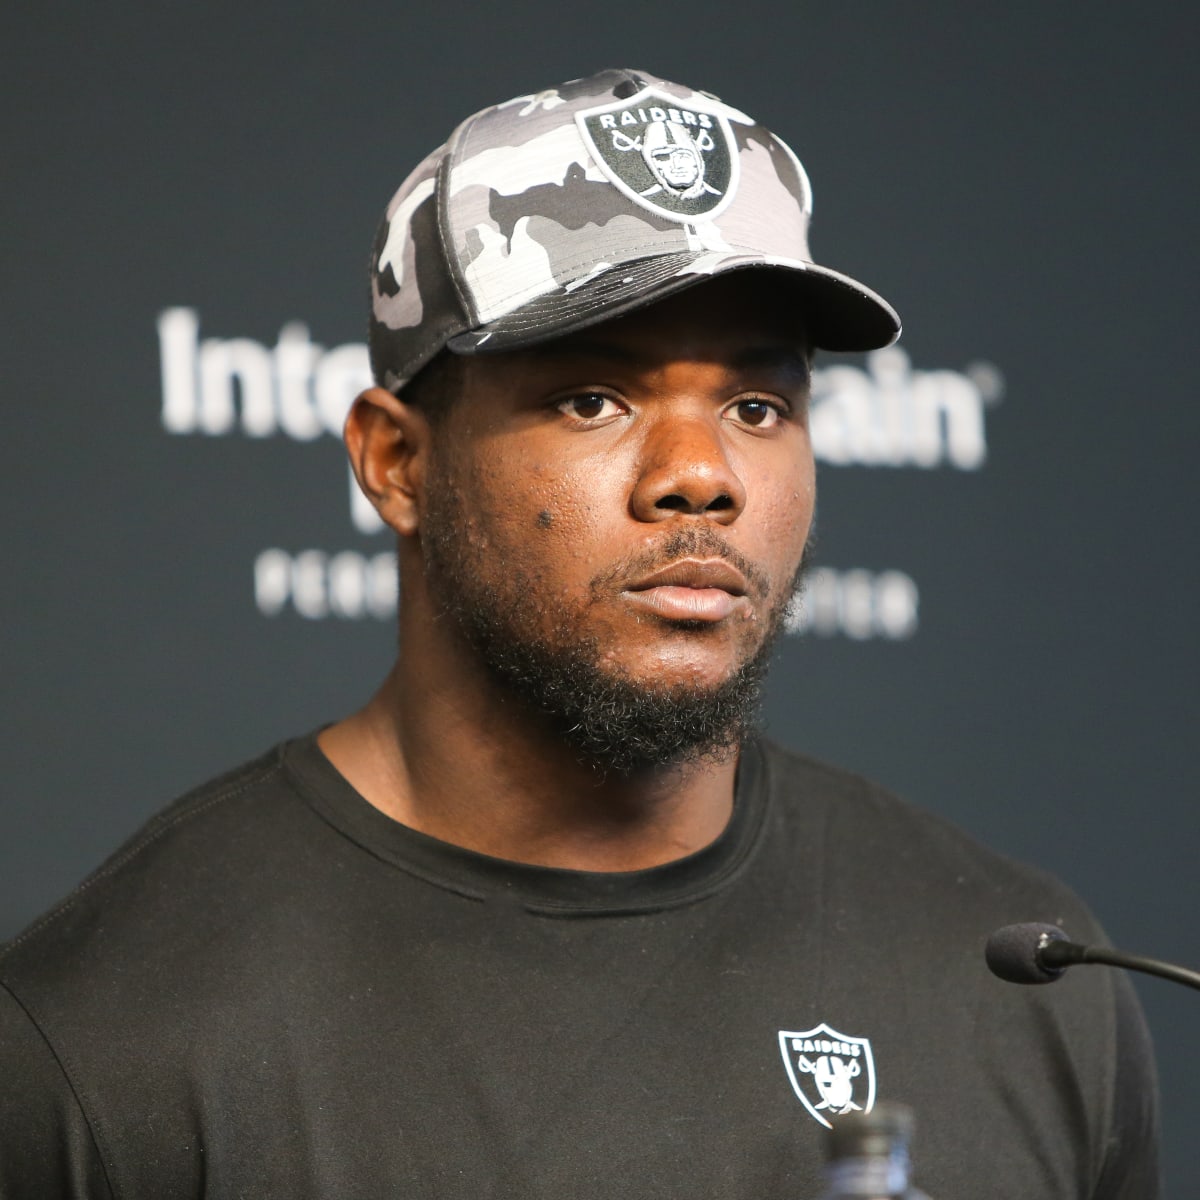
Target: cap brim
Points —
{"points": [[839, 313]]}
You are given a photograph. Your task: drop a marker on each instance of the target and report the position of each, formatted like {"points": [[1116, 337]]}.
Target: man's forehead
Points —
{"points": [[769, 355]]}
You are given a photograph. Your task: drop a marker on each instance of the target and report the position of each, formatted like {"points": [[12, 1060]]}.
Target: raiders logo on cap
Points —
{"points": [[678, 160]]}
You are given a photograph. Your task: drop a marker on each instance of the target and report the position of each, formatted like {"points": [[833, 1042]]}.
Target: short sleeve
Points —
{"points": [[47, 1151]]}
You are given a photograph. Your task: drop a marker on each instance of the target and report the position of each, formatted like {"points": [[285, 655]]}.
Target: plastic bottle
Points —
{"points": [[868, 1156]]}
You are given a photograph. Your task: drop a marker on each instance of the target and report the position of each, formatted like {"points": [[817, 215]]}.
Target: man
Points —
{"points": [[546, 918]]}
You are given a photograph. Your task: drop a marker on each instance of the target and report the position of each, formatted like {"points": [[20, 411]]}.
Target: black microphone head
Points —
{"points": [[1012, 953]]}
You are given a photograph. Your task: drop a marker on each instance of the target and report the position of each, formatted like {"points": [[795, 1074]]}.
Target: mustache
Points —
{"points": [[692, 542]]}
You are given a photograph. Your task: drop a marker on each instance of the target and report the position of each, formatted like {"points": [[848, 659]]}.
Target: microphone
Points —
{"points": [[1035, 953]]}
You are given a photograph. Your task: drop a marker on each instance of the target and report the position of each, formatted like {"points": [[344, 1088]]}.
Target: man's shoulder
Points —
{"points": [[141, 968], [872, 839], [166, 878]]}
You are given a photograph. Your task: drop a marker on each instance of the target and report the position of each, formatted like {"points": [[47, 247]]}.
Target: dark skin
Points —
{"points": [[571, 462]]}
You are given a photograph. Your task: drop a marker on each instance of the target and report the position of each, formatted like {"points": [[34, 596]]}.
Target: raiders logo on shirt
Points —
{"points": [[831, 1073], [679, 161]]}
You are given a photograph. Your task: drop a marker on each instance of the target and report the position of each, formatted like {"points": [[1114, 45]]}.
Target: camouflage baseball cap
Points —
{"points": [[558, 210]]}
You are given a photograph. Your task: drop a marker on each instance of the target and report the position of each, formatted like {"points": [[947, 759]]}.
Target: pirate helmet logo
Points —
{"points": [[831, 1073], [676, 159]]}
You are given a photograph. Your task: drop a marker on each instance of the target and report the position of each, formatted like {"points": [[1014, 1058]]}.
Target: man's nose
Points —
{"points": [[686, 469]]}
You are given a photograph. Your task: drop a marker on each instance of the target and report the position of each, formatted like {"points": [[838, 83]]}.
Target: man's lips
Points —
{"points": [[707, 589]]}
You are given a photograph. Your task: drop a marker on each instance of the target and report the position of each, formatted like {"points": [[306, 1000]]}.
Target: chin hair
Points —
{"points": [[613, 722], [616, 724]]}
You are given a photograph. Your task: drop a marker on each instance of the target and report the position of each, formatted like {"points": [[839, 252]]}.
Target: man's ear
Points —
{"points": [[388, 444]]}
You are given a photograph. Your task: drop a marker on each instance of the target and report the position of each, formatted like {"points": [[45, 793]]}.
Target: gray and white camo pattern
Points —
{"points": [[565, 207]]}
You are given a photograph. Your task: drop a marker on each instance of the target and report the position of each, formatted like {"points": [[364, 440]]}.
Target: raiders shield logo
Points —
{"points": [[832, 1073], [679, 161]]}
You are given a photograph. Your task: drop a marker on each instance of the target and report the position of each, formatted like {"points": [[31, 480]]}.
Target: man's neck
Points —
{"points": [[461, 761]]}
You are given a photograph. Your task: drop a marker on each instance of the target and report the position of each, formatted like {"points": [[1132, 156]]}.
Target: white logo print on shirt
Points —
{"points": [[832, 1073]]}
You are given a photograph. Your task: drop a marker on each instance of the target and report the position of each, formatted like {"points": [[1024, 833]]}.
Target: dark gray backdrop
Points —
{"points": [[1019, 179]]}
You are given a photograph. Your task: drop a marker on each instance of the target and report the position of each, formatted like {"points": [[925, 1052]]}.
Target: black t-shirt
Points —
{"points": [[276, 990]]}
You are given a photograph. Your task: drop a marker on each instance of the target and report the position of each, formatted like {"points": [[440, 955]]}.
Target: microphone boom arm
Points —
{"points": [[1056, 954]]}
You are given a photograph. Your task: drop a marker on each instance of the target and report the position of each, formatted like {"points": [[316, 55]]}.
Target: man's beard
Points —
{"points": [[613, 722]]}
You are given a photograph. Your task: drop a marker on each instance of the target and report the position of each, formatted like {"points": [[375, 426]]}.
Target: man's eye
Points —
{"points": [[589, 406], [760, 414]]}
